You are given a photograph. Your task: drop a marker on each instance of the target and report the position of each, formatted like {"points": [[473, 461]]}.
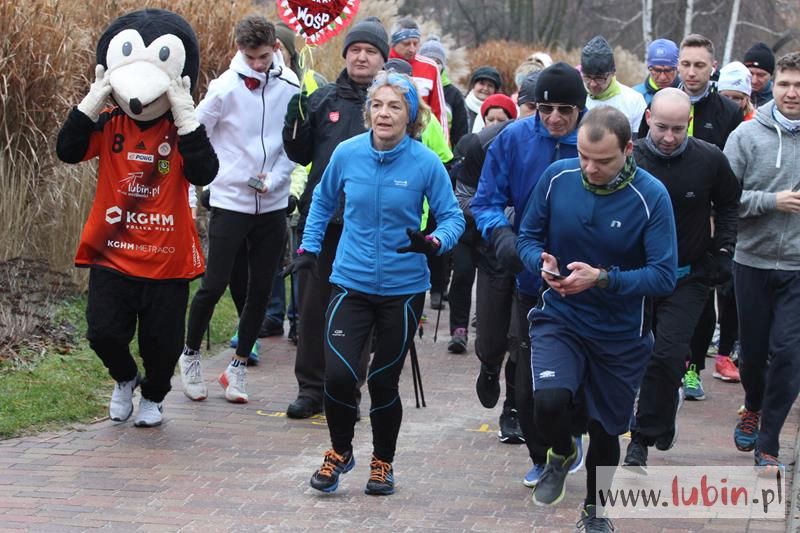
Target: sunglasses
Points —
{"points": [[563, 109]]}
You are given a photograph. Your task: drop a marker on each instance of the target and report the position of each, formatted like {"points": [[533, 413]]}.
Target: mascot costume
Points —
{"points": [[139, 240]]}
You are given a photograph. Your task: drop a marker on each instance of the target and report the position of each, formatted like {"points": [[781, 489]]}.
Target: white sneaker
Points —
{"points": [[121, 406], [192, 377], [233, 380], [149, 414]]}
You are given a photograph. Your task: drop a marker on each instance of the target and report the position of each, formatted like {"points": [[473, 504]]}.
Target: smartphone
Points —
{"points": [[257, 184], [556, 275]]}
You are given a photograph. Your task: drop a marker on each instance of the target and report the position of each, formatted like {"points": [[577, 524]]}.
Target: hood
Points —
{"points": [[765, 118], [240, 66]]}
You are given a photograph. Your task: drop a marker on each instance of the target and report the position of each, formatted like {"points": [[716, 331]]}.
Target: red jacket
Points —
{"points": [[429, 84]]}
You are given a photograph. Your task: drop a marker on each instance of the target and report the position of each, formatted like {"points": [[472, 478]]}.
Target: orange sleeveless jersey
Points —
{"points": [[140, 223]]}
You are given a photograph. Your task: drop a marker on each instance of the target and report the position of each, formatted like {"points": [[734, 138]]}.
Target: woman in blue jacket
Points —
{"points": [[380, 273]]}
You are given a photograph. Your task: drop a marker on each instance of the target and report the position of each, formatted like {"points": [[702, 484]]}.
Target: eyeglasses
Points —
{"points": [[662, 71], [602, 78], [563, 109]]}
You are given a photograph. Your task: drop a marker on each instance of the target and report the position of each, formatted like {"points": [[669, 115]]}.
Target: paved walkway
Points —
{"points": [[214, 466]]}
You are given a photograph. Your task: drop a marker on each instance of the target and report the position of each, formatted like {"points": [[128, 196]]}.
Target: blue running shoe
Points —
{"points": [[254, 358], [693, 385], [767, 465], [326, 478], [381, 478], [745, 434], [532, 477]]}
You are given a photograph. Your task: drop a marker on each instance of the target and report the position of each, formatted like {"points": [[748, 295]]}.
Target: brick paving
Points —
{"points": [[215, 466]]}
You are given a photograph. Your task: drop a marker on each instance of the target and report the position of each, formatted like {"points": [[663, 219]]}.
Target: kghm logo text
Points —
{"points": [[134, 220]]}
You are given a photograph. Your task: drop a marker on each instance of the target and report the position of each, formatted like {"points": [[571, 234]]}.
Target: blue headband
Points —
{"points": [[410, 94], [405, 33]]}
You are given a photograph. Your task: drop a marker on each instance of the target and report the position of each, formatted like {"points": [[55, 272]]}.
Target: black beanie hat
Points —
{"points": [[760, 56], [370, 31], [560, 83], [486, 73]]}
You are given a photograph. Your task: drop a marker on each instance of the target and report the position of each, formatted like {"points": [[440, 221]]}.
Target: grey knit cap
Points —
{"points": [[433, 49], [527, 89], [597, 57], [370, 31]]}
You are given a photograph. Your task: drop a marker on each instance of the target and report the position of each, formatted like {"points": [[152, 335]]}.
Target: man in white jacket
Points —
{"points": [[242, 113], [599, 76]]}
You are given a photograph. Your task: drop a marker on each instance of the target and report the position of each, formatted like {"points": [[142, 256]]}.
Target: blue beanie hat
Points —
{"points": [[662, 53], [407, 87]]}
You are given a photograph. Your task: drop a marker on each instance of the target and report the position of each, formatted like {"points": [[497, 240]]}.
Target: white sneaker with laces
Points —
{"points": [[149, 414], [194, 387], [233, 380], [121, 406]]}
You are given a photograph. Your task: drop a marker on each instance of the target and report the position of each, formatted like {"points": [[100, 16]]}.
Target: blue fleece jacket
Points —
{"points": [[384, 194], [514, 162], [631, 233]]}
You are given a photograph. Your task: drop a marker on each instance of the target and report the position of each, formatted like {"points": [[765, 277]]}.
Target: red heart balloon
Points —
{"points": [[316, 21]]}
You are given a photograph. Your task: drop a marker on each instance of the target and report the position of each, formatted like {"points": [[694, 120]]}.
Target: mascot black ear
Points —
{"points": [[151, 24]]}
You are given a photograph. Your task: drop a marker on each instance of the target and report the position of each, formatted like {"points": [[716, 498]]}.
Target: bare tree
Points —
{"points": [[688, 18], [647, 21], [731, 37]]}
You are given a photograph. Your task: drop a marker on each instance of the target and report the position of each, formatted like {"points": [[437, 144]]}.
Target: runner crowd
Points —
{"points": [[616, 237]]}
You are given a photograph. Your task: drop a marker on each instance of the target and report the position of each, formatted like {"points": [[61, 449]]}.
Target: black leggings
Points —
{"points": [[460, 293], [351, 317], [264, 236], [553, 414]]}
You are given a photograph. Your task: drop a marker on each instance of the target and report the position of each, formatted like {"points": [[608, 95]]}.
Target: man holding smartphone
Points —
{"points": [[607, 226], [242, 113]]}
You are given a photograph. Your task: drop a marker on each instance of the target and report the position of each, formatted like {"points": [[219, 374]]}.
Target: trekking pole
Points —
{"points": [[416, 376], [436, 327], [208, 336]]}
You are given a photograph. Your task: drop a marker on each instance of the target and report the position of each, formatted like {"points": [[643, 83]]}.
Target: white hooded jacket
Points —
{"points": [[245, 127]]}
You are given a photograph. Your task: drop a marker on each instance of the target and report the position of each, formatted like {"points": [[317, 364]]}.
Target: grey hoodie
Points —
{"points": [[766, 159]]}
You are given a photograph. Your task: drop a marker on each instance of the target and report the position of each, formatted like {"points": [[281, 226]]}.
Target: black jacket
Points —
{"points": [[335, 114], [470, 153], [698, 181], [458, 110], [715, 117]]}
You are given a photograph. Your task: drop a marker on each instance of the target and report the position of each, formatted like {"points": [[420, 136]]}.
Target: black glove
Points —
{"points": [[205, 198], [420, 243], [305, 260], [296, 102], [721, 268], [504, 241], [292, 205]]}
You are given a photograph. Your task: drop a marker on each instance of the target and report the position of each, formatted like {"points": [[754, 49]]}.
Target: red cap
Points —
{"points": [[503, 102]]}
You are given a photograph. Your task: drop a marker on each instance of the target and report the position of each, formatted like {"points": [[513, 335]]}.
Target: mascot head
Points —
{"points": [[143, 52]]}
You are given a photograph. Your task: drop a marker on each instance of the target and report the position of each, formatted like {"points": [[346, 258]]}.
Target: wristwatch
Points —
{"points": [[602, 279]]}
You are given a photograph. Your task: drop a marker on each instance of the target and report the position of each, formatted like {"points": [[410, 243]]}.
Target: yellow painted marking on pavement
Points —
{"points": [[483, 429]]}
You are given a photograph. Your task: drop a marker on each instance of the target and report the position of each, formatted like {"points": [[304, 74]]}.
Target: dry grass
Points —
{"points": [[46, 58]]}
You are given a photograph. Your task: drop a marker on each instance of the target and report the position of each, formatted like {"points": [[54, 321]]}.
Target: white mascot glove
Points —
{"points": [[94, 102], [180, 98]]}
